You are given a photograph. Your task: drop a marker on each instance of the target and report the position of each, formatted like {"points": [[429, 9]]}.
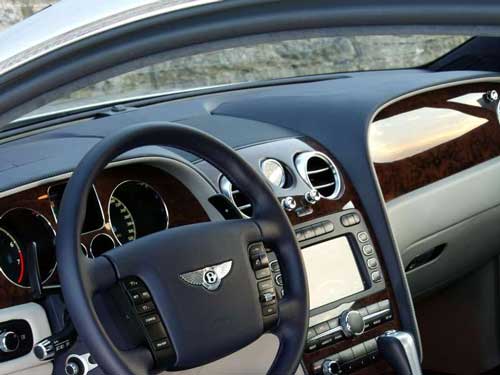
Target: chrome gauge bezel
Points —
{"points": [[167, 214], [53, 269], [276, 164], [101, 210], [91, 251]]}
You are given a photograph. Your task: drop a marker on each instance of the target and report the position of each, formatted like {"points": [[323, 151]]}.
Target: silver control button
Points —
{"points": [[312, 196], [9, 342], [289, 203]]}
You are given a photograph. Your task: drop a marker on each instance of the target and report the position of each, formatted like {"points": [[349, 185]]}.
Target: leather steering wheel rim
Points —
{"points": [[81, 277]]}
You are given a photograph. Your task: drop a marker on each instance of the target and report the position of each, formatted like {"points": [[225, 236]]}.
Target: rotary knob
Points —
{"points": [[331, 367], [312, 196], [289, 203], [9, 342], [352, 323]]}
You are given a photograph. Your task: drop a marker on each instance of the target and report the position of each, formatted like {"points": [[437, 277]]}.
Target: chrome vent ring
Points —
{"points": [[320, 173], [239, 199]]}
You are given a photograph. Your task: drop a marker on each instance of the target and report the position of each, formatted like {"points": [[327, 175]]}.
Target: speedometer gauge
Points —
{"points": [[136, 209], [274, 172], [122, 221]]}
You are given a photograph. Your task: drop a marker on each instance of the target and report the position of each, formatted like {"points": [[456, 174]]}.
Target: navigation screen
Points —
{"points": [[332, 272]]}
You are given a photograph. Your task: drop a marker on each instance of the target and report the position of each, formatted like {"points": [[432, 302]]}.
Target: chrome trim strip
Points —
{"points": [[327, 333], [376, 315], [373, 316]]}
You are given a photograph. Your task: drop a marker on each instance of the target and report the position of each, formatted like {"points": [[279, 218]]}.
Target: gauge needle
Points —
{"points": [[21, 265]]}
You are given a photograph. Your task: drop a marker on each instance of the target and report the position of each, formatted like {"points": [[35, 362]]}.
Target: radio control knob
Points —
{"points": [[331, 367], [352, 323], [289, 203], [9, 342], [312, 196]]}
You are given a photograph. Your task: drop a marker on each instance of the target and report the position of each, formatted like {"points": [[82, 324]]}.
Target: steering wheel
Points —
{"points": [[204, 322]]}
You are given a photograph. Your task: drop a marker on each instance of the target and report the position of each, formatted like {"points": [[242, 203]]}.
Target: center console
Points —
{"points": [[350, 301]]}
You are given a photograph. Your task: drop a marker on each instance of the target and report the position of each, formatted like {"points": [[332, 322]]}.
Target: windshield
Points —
{"points": [[280, 59]]}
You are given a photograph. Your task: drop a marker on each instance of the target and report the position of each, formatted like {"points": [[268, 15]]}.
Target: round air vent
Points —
{"points": [[236, 196], [320, 173]]}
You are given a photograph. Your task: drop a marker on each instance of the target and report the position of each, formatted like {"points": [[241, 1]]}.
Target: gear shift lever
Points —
{"points": [[398, 349]]}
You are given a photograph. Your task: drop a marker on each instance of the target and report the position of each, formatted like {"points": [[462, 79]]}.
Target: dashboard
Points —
{"points": [[126, 203], [350, 192]]}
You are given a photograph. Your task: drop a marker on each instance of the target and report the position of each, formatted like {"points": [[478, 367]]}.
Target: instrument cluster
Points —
{"points": [[133, 209]]}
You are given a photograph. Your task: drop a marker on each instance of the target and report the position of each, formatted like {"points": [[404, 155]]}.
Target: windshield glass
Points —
{"points": [[280, 59]]}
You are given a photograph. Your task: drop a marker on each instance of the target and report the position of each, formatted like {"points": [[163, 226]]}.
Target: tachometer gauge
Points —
{"points": [[274, 172], [11, 258], [122, 221]]}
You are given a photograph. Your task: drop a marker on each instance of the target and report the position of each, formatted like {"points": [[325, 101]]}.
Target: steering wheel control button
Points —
{"points": [[279, 280], [145, 308], [259, 261], [145, 295], [352, 323], [132, 283], [136, 297], [274, 265], [268, 297], [368, 250], [161, 344], [363, 237], [156, 332], [150, 319], [269, 310], [263, 273], [265, 285]]}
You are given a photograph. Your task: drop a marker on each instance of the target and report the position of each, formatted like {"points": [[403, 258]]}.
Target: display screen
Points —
{"points": [[93, 217], [332, 272]]}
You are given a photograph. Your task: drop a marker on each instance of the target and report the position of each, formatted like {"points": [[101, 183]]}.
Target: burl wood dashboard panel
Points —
{"points": [[183, 209], [427, 137]]}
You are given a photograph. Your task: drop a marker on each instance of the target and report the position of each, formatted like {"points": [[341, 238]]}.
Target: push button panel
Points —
{"points": [[265, 267], [333, 330], [349, 360], [152, 327]]}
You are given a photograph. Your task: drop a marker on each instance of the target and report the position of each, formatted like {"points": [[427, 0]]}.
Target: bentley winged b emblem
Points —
{"points": [[209, 277]]}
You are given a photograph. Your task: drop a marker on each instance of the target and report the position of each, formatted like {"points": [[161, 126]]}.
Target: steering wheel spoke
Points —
{"points": [[99, 274]]}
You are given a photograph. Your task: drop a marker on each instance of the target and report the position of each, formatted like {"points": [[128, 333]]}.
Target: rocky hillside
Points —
{"points": [[265, 61]]}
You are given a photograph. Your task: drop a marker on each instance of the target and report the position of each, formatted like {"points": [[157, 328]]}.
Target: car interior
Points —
{"points": [[284, 215]]}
